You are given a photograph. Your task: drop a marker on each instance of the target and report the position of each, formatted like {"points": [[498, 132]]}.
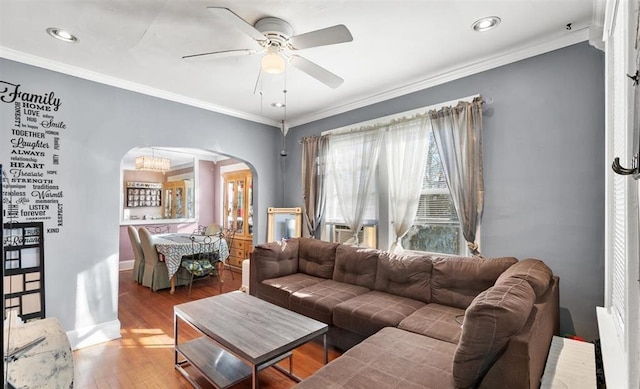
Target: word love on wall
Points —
{"points": [[31, 191]]}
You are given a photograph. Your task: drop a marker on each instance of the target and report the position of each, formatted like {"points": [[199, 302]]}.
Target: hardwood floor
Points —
{"points": [[144, 356]]}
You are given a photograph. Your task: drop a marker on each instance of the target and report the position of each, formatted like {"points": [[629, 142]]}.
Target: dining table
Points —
{"points": [[172, 247]]}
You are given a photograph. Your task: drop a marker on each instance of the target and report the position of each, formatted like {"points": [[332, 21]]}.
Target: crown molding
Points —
{"points": [[454, 73], [451, 74], [44, 63]]}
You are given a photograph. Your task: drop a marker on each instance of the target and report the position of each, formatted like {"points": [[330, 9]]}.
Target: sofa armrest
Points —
{"points": [[271, 260], [522, 364]]}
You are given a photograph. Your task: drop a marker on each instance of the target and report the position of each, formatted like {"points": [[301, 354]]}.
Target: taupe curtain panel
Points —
{"points": [[458, 134], [314, 151]]}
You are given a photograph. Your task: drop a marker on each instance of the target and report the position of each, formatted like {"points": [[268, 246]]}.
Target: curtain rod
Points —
{"points": [[388, 118]]}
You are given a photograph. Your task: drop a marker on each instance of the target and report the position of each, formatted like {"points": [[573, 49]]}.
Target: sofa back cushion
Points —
{"points": [[356, 266], [456, 281], [316, 257], [275, 259], [404, 275], [492, 318], [534, 271]]}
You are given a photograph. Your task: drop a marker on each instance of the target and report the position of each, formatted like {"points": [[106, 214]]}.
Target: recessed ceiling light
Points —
{"points": [[486, 24], [61, 34], [277, 105]]}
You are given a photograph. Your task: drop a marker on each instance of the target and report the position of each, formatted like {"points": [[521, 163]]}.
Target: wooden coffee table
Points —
{"points": [[241, 336]]}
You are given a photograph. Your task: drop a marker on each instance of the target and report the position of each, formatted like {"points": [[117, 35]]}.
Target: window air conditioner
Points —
{"points": [[366, 236]]}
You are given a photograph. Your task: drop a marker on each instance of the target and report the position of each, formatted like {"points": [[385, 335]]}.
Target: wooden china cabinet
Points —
{"points": [[238, 214], [178, 200]]}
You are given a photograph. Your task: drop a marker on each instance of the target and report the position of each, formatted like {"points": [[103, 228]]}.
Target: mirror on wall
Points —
{"points": [[283, 223], [158, 184]]}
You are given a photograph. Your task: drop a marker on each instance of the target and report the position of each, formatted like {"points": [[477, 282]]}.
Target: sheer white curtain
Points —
{"points": [[406, 148], [458, 134], [353, 158]]}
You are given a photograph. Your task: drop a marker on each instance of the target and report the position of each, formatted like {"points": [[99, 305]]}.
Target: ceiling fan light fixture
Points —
{"points": [[486, 24], [273, 63]]}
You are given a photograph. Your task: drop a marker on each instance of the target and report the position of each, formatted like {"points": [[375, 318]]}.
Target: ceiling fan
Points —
{"points": [[275, 37]]}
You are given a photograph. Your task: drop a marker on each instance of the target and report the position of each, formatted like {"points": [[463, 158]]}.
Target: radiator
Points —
{"points": [[570, 364]]}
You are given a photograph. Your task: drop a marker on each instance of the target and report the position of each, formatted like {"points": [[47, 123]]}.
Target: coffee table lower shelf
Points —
{"points": [[217, 365]]}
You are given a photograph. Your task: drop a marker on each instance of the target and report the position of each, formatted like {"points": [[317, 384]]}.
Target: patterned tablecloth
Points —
{"points": [[176, 246]]}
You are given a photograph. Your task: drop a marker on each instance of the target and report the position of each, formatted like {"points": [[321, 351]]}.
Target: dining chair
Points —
{"points": [[228, 234], [156, 274], [138, 262], [164, 229], [204, 260], [212, 229]]}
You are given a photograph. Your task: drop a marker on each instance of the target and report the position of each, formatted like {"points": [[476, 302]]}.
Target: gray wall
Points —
{"points": [[543, 148], [103, 123]]}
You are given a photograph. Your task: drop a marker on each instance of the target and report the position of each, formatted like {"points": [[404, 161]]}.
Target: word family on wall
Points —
{"points": [[31, 191]]}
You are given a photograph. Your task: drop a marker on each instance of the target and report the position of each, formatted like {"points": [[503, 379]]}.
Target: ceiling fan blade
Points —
{"points": [[323, 37], [316, 71], [217, 54], [239, 23]]}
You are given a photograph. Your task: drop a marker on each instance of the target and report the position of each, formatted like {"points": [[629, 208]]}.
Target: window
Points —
{"points": [[436, 227]]}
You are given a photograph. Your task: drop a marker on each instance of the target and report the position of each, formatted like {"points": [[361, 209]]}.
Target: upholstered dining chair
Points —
{"points": [[204, 260], [228, 234], [212, 229], [155, 275], [138, 262]]}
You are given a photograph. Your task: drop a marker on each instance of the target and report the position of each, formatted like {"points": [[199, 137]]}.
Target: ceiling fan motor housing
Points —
{"points": [[276, 30]]}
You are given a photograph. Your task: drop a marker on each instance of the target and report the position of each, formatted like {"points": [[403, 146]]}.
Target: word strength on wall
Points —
{"points": [[31, 160]]}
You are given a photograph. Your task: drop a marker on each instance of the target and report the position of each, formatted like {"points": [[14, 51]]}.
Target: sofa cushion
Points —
{"points": [[368, 313], [534, 271], [317, 301], [435, 321], [276, 259], [391, 358], [492, 318], [278, 290], [456, 281], [356, 265], [404, 275], [316, 257]]}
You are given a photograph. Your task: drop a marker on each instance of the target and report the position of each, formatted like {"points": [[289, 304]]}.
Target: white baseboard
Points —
{"points": [[90, 336], [126, 265]]}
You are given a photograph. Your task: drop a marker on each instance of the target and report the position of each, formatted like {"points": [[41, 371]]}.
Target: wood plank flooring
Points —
{"points": [[144, 356]]}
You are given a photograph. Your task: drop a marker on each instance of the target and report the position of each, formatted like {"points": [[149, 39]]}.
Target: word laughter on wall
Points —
{"points": [[31, 160]]}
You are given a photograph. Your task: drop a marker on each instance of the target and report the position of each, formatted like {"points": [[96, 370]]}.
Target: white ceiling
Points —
{"points": [[398, 47]]}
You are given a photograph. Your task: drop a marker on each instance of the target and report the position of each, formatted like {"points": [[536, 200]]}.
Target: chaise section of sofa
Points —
{"points": [[391, 358]]}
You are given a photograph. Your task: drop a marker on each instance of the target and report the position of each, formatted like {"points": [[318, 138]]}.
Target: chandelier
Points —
{"points": [[153, 163]]}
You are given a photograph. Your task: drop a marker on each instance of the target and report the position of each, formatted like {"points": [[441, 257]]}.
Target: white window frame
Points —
{"points": [[618, 319]]}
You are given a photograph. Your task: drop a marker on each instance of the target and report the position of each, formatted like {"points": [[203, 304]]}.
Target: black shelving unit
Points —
{"points": [[23, 269]]}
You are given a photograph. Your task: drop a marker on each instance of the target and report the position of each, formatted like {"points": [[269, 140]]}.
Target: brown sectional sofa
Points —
{"points": [[415, 321]]}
